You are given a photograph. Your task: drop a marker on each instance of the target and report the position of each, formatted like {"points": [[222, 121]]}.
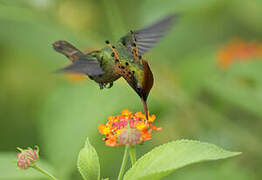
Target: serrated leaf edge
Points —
{"points": [[88, 145], [184, 141]]}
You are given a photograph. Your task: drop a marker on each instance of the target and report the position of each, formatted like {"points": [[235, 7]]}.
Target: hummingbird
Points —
{"points": [[124, 59]]}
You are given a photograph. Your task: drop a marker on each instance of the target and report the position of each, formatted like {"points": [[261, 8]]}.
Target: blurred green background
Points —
{"points": [[193, 97]]}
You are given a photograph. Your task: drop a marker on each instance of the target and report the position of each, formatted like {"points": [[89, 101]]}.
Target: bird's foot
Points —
{"points": [[110, 85], [101, 85], [106, 85]]}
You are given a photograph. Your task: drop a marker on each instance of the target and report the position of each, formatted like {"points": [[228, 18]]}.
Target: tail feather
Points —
{"points": [[67, 49], [83, 66]]}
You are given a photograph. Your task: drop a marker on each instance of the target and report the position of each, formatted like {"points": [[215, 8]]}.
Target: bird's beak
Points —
{"points": [[145, 107]]}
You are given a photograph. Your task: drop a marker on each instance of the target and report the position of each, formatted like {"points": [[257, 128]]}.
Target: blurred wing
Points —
{"points": [[146, 38], [83, 66]]}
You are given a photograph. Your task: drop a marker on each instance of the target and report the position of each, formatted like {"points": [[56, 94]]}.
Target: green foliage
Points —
{"points": [[169, 157], [88, 162], [241, 85], [217, 170]]}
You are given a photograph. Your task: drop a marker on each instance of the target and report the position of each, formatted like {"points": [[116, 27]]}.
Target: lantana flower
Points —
{"points": [[128, 128], [27, 157], [238, 50]]}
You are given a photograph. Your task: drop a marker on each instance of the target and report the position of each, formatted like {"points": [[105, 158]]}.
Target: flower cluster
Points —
{"points": [[238, 50], [27, 157], [127, 128]]}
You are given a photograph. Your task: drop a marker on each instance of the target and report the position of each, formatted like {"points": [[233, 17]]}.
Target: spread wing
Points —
{"points": [[83, 65], [147, 37]]}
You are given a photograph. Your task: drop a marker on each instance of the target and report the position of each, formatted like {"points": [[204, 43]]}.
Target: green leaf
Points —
{"points": [[88, 162], [169, 157], [216, 171]]}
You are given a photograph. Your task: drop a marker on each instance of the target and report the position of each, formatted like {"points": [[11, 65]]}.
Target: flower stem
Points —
{"points": [[132, 154], [44, 172], [123, 166]]}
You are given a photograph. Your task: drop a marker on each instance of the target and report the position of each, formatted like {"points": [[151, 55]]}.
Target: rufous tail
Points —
{"points": [[67, 49]]}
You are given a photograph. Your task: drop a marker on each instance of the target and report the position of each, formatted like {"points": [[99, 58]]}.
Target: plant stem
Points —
{"points": [[123, 166], [44, 172], [132, 154]]}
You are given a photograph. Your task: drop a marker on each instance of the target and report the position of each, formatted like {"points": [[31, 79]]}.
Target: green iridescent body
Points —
{"points": [[108, 65]]}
